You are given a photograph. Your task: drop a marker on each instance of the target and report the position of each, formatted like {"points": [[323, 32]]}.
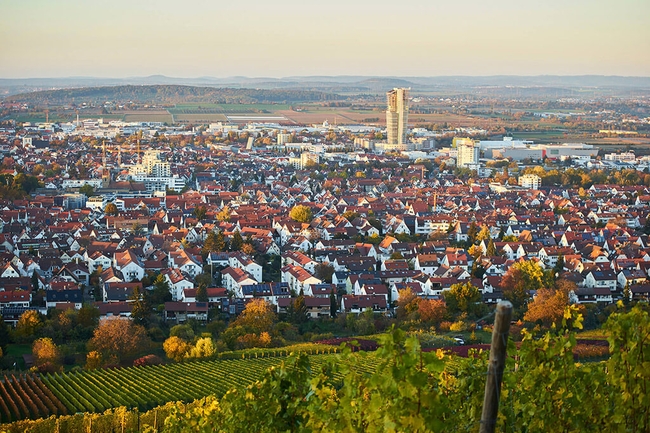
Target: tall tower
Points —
{"points": [[397, 114]]}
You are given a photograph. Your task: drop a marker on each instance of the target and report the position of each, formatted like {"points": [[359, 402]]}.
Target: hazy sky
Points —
{"points": [[276, 38]]}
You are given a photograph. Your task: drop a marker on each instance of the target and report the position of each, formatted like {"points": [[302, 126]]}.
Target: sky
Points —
{"points": [[280, 38]]}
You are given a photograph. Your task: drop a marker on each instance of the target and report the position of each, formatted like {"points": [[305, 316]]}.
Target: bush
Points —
{"points": [[148, 360]]}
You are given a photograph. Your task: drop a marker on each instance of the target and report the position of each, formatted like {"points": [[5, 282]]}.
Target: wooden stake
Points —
{"points": [[495, 367]]}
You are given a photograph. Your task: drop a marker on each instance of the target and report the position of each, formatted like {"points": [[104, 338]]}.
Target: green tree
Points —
{"points": [[201, 293], [472, 232], [236, 242], [140, 308], [333, 304], [87, 189], [301, 214], [161, 292], [200, 212]]}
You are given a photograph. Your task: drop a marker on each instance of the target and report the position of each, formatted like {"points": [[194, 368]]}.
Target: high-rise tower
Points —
{"points": [[397, 114]]}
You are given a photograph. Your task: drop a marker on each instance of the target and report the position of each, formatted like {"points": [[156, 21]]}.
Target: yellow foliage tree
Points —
{"points": [[301, 213], [46, 351], [93, 360], [258, 316], [28, 324], [407, 303], [204, 348], [176, 348]]}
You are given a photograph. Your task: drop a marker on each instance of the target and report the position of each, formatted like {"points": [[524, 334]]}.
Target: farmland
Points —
{"points": [[145, 387]]}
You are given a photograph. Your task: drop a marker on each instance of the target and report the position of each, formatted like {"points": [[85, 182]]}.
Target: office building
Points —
{"points": [[397, 118]]}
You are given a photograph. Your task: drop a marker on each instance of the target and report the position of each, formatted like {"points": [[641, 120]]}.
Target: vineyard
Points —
{"points": [[144, 387]]}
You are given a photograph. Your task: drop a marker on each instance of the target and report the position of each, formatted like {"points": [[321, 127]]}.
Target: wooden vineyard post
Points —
{"points": [[495, 367]]}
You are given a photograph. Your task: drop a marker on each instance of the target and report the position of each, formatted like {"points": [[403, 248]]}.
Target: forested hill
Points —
{"points": [[169, 94]]}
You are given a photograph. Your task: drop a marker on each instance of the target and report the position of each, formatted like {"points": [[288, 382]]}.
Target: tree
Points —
{"points": [[236, 242], [160, 293], [186, 332], [224, 214], [464, 298], [297, 310], [87, 189], [248, 247], [5, 335], [559, 266], [93, 360], [111, 209], [491, 249], [200, 212], [28, 325], [333, 304], [432, 311], [521, 278], [45, 351], [547, 307], [484, 234], [204, 348], [407, 304], [472, 232], [118, 337], [258, 316], [301, 213], [176, 348], [324, 272], [35, 282], [140, 308], [202, 293], [214, 242]]}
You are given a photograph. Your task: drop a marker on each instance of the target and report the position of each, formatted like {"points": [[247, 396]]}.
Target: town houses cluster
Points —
{"points": [[110, 217]]}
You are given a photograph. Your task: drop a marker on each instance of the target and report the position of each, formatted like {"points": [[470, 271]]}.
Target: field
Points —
{"points": [[32, 397]]}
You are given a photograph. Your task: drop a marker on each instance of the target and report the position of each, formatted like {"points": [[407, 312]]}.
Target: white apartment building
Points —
{"points": [[530, 181]]}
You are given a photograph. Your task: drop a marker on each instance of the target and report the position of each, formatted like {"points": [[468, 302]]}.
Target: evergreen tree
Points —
{"points": [[140, 310], [35, 284], [160, 293], [237, 242], [333, 304], [201, 293], [559, 266]]}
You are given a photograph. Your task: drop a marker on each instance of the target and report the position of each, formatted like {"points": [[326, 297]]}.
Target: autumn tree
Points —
{"points": [[522, 278], [547, 307], [301, 213], [111, 209], [118, 337], [407, 304], [176, 348], [258, 316], [432, 311], [215, 242], [28, 325], [464, 298], [45, 351], [224, 214], [483, 234], [491, 249], [204, 348]]}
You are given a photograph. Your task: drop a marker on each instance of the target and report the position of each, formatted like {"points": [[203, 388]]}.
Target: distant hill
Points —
{"points": [[348, 84], [170, 94]]}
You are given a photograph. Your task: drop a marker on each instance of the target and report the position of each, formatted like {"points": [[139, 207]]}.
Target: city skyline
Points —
{"points": [[290, 38]]}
